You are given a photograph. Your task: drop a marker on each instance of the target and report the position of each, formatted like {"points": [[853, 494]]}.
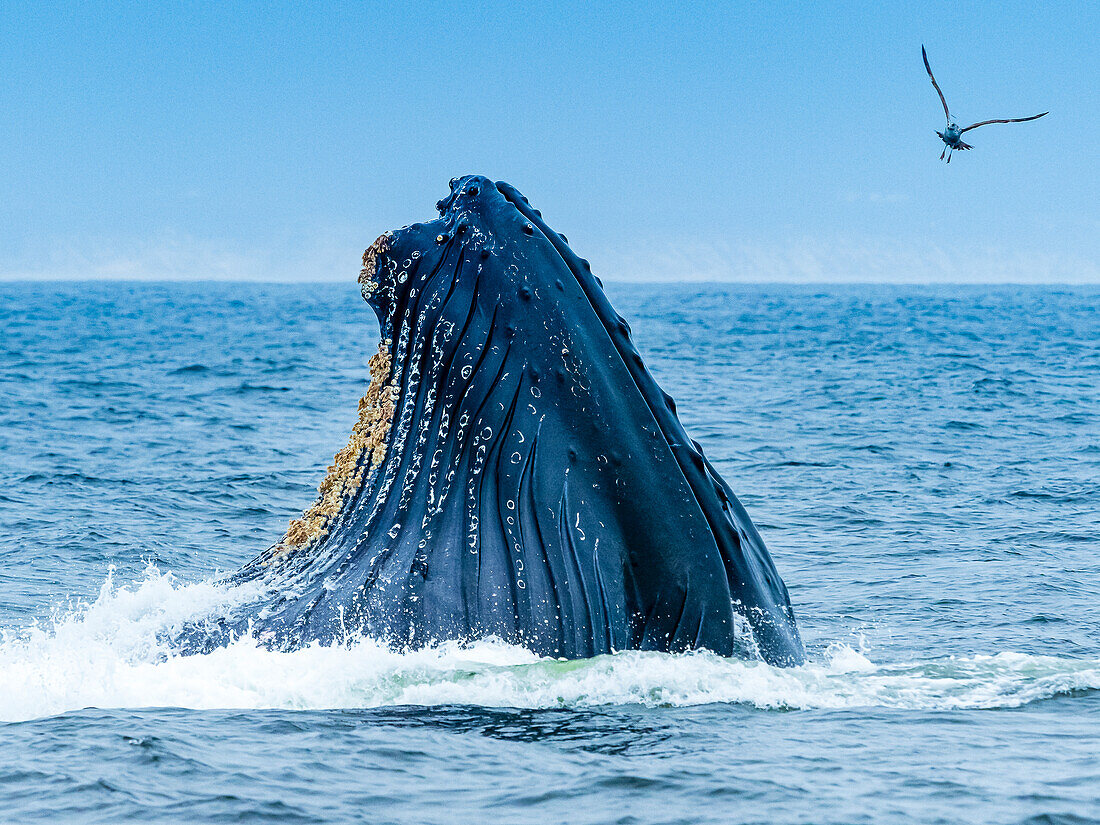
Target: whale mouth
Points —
{"points": [[515, 471]]}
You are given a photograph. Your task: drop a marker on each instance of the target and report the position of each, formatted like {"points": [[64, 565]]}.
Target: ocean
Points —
{"points": [[923, 463]]}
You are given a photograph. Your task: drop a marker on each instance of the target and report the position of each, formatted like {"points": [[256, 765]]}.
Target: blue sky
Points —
{"points": [[744, 141]]}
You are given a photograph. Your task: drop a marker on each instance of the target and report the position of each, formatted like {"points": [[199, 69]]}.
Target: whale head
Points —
{"points": [[515, 470]]}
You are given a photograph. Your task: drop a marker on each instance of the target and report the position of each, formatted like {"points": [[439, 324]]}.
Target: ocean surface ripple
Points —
{"points": [[924, 463]]}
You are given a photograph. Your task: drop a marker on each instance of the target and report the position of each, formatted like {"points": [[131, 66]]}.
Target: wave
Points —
{"points": [[110, 653]]}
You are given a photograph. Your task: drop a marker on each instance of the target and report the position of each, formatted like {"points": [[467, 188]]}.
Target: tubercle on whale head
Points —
{"points": [[463, 188], [392, 264], [478, 216]]}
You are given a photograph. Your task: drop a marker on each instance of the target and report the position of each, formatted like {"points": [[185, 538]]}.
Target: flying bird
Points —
{"points": [[952, 134]]}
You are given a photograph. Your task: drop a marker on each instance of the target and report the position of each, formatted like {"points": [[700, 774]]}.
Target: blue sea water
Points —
{"points": [[923, 462]]}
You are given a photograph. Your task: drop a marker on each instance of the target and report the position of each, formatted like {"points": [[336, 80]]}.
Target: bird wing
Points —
{"points": [[924, 54], [1002, 120]]}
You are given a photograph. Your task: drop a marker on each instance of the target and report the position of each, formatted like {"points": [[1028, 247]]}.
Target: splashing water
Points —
{"points": [[112, 653]]}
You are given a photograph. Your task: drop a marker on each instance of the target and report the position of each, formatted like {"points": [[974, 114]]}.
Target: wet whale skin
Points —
{"points": [[526, 477]]}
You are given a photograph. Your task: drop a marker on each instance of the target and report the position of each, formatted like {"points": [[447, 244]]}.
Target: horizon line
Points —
{"points": [[636, 282]]}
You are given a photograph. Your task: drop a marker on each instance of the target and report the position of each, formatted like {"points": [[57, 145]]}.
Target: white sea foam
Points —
{"points": [[110, 653]]}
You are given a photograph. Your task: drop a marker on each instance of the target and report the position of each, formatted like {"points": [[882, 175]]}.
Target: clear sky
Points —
{"points": [[747, 141]]}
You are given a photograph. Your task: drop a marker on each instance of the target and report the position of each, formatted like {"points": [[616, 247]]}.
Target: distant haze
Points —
{"points": [[668, 141]]}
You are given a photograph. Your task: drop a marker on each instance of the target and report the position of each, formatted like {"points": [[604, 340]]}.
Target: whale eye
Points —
{"points": [[528, 229], [440, 238], [473, 191]]}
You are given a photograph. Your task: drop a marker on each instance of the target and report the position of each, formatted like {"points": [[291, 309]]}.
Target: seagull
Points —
{"points": [[952, 134]]}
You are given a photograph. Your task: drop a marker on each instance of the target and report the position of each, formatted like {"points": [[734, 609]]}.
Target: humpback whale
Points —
{"points": [[515, 471]]}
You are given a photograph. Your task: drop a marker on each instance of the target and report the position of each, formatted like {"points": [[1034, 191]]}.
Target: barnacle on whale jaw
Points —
{"points": [[368, 275], [367, 443], [365, 449]]}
